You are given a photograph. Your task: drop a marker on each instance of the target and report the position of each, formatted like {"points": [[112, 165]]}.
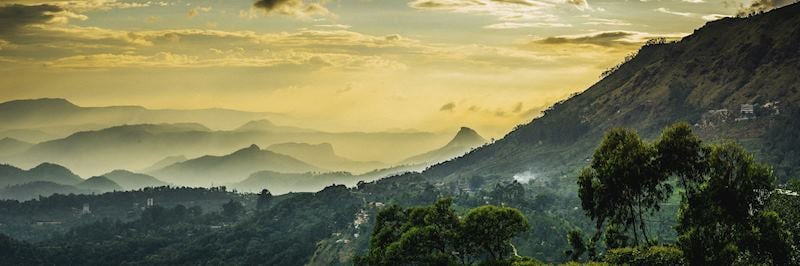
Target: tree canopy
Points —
{"points": [[435, 235]]}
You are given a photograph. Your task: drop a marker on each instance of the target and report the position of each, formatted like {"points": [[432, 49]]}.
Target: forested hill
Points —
{"points": [[704, 79]]}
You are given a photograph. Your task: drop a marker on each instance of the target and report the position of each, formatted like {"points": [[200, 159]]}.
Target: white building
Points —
{"points": [[86, 209], [748, 109]]}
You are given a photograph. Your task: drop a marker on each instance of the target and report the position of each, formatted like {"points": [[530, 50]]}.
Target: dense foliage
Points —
{"points": [[723, 220], [436, 235]]}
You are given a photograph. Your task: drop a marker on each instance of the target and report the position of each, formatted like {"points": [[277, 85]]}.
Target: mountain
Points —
{"points": [[33, 190], [709, 79], [267, 126], [282, 183], [92, 153], [61, 117], [28, 135], [465, 140], [10, 175], [10, 146], [234, 167], [123, 147], [133, 181], [323, 155], [169, 160], [99, 184], [359, 146]]}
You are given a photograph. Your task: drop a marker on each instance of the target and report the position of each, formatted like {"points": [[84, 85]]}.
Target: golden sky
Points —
{"points": [[348, 65]]}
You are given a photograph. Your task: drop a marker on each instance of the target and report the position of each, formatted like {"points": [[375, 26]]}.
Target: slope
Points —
{"points": [[324, 156], [465, 140], [133, 181], [234, 167]]}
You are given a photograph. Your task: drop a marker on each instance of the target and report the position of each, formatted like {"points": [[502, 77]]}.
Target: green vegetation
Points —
{"points": [[435, 235], [723, 219]]}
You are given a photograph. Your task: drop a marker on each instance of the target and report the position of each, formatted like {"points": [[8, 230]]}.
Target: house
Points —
{"points": [[86, 209], [748, 110], [43, 223]]}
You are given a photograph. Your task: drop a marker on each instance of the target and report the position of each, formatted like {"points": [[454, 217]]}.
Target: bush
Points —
{"points": [[655, 255], [516, 261]]}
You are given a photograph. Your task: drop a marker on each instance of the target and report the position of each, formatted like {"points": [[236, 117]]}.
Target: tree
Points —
{"points": [[680, 153], [264, 199], [575, 240], [434, 235], [724, 220], [493, 227], [623, 183], [232, 209]]}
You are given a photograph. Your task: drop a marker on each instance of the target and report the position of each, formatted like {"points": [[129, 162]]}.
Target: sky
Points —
{"points": [[346, 65]]}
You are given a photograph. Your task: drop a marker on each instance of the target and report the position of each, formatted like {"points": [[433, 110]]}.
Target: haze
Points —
{"points": [[426, 65]]}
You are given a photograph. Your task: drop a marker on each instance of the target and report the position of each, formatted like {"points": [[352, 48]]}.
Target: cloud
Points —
{"points": [[511, 14], [608, 38], [758, 6], [15, 16], [448, 107], [668, 11], [517, 108], [197, 10], [295, 8], [80, 6], [518, 25], [712, 17]]}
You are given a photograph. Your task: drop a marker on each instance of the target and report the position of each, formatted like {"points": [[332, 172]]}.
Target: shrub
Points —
{"points": [[655, 256]]}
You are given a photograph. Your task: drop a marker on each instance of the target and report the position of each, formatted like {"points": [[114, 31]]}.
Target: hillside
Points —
{"points": [[10, 146], [34, 190], [133, 181], [99, 184], [465, 140], [266, 125], [234, 167], [282, 183], [10, 175], [324, 156], [722, 66]]}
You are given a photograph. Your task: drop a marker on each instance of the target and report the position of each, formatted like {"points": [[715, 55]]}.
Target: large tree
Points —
{"points": [[623, 183], [435, 235], [722, 220], [725, 221]]}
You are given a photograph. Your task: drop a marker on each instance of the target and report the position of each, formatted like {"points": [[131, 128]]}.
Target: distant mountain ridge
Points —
{"points": [[133, 181], [141, 147], [10, 146], [100, 184], [465, 140], [62, 117], [234, 167], [266, 125], [47, 172], [323, 155]]}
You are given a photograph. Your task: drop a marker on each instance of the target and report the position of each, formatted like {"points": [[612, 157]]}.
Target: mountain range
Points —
{"points": [[234, 167], [46, 172], [59, 117], [724, 67], [142, 146]]}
